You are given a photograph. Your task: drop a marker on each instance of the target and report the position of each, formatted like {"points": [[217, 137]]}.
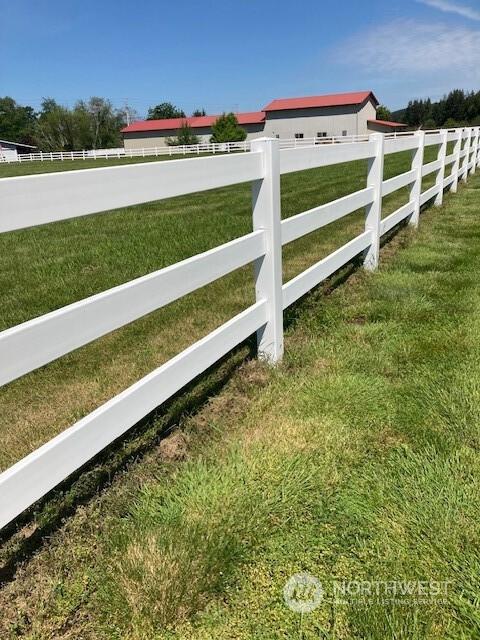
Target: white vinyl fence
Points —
{"points": [[38, 199], [193, 149], [99, 154]]}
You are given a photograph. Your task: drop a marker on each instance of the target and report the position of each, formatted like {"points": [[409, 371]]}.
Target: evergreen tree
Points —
{"points": [[185, 136], [227, 129], [458, 106]]}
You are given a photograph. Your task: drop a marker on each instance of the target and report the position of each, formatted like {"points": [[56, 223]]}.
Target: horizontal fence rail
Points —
{"points": [[41, 340], [297, 226], [57, 196], [37, 473], [40, 199], [304, 282], [172, 150], [105, 154]]}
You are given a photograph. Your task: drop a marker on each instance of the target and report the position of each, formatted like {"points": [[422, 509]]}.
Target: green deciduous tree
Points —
{"points": [[429, 124], [98, 123], [17, 123], [451, 124], [55, 128], [163, 111], [92, 124], [383, 113], [198, 113], [227, 129]]}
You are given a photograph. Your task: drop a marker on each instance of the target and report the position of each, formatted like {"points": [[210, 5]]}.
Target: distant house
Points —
{"points": [[341, 114], [10, 149]]}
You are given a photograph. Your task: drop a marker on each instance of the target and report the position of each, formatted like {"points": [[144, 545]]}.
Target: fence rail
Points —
{"points": [[38, 199], [182, 150]]}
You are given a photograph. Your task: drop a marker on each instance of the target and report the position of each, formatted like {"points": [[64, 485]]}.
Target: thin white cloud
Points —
{"points": [[409, 47], [453, 7]]}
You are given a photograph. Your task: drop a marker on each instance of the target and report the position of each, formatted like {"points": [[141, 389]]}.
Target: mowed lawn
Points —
{"points": [[356, 460], [47, 267], [11, 169]]}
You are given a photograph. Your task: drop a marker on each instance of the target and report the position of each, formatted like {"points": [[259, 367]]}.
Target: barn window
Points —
{"points": [[299, 135]]}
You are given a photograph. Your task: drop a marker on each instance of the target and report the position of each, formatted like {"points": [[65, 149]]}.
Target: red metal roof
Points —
{"points": [[387, 123], [251, 117], [333, 100]]}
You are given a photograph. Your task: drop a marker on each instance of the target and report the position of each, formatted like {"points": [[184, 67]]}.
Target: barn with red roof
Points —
{"points": [[339, 114], [156, 133]]}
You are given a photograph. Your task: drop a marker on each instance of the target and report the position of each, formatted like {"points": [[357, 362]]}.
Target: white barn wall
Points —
{"points": [[312, 121]]}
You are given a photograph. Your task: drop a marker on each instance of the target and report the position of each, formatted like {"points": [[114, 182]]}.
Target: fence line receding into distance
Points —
{"points": [[38, 199], [10, 156]]}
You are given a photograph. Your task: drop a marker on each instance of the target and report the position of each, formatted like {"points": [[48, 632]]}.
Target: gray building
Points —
{"points": [[345, 114]]}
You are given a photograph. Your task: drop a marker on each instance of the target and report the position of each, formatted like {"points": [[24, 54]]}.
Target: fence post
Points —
{"points": [[467, 156], [268, 269], [478, 149], [477, 159], [456, 165], [416, 187], [475, 151], [374, 210], [442, 152]]}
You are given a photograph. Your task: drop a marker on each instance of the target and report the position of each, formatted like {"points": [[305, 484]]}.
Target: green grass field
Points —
{"points": [[28, 168], [47, 267], [356, 459]]}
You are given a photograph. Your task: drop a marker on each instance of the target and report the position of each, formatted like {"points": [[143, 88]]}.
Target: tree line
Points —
{"points": [[456, 109], [95, 124], [90, 124]]}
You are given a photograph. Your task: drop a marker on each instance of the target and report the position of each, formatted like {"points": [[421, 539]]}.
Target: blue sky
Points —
{"points": [[225, 55]]}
